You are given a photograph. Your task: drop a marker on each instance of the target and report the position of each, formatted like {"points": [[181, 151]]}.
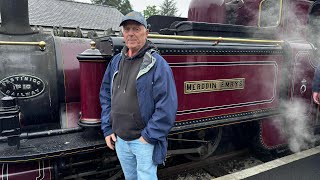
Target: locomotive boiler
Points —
{"points": [[234, 62]]}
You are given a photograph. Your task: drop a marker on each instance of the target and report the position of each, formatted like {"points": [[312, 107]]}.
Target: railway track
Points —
{"points": [[211, 167]]}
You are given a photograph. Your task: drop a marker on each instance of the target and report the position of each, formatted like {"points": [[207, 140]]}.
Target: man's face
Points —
{"points": [[135, 35]]}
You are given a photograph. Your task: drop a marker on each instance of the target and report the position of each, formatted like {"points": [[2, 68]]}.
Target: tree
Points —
{"points": [[168, 8], [123, 6], [150, 11]]}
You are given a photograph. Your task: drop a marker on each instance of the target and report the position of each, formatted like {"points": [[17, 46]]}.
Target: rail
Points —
{"points": [[41, 44]]}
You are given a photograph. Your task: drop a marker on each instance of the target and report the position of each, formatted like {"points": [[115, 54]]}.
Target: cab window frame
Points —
{"points": [[261, 13]]}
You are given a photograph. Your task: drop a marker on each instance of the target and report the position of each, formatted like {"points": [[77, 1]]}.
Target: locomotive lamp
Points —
{"points": [[92, 67], [10, 121]]}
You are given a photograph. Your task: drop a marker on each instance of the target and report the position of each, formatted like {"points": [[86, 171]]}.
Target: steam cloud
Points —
{"points": [[295, 123], [295, 126]]}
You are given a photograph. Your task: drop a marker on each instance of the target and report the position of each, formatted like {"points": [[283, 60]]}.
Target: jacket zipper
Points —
{"points": [[114, 74]]}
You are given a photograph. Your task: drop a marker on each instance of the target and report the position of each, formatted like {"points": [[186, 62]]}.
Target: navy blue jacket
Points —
{"points": [[157, 98]]}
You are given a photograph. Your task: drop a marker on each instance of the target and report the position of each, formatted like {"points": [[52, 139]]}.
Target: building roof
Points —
{"points": [[71, 14]]}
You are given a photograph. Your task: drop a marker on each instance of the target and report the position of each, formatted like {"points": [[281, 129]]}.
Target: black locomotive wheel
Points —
{"points": [[211, 139]]}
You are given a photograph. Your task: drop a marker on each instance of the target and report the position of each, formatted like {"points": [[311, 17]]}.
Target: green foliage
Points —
{"points": [[150, 11], [169, 8], [123, 6]]}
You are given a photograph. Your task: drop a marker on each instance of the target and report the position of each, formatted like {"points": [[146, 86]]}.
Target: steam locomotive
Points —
{"points": [[235, 62]]}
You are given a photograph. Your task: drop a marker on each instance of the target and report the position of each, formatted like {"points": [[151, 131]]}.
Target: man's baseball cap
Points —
{"points": [[134, 16]]}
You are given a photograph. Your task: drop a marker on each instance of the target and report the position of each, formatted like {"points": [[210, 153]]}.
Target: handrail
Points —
{"points": [[201, 38], [41, 44]]}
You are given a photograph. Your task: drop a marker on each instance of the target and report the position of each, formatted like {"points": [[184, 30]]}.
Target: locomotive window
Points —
{"points": [[269, 13]]}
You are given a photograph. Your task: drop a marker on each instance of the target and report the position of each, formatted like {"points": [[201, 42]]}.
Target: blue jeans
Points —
{"points": [[136, 159]]}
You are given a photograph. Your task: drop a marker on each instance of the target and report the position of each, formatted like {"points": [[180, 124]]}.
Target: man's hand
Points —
{"points": [[142, 140], [315, 96], [110, 140]]}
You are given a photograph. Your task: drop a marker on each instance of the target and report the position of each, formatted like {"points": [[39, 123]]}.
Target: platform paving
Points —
{"points": [[304, 165]]}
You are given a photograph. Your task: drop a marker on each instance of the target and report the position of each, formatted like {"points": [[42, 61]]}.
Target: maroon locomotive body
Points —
{"points": [[236, 65]]}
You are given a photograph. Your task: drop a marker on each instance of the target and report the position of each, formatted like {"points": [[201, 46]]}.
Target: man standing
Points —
{"points": [[139, 102], [316, 86]]}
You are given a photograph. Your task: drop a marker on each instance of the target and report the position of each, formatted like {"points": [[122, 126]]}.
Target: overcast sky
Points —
{"points": [[140, 5]]}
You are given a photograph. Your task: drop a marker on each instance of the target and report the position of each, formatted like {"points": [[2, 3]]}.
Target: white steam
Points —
{"points": [[295, 126]]}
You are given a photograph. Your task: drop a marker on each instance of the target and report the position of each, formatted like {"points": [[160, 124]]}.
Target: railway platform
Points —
{"points": [[304, 165]]}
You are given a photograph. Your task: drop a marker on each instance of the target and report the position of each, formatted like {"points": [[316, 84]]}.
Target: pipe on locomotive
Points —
{"points": [[52, 132]]}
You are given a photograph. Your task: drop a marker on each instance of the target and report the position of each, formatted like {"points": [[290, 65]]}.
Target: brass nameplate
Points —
{"points": [[191, 87]]}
